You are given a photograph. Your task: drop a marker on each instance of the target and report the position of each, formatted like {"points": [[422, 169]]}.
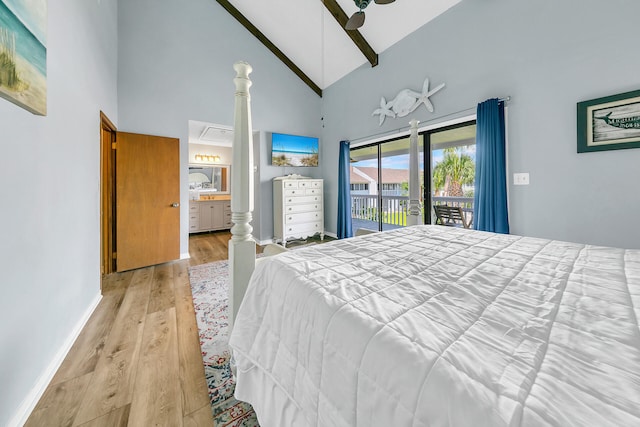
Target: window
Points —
{"points": [[386, 166], [447, 176], [452, 168]]}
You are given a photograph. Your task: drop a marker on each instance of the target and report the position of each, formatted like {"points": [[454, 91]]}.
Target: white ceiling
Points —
{"points": [[310, 37]]}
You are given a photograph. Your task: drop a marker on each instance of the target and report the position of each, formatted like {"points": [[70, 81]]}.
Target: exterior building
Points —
{"points": [[364, 181]]}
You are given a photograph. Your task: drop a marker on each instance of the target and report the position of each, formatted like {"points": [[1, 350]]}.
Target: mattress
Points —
{"points": [[439, 326]]}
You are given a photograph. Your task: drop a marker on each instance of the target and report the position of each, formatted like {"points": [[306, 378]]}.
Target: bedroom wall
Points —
{"points": [[49, 187], [175, 64], [547, 56]]}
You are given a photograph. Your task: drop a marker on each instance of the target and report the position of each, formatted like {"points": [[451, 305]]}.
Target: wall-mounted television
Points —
{"points": [[293, 150]]}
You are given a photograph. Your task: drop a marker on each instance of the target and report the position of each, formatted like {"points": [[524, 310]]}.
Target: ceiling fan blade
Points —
{"points": [[356, 21], [383, 1]]}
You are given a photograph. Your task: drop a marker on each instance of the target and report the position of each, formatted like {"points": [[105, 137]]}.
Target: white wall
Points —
{"points": [[175, 64], [548, 55], [49, 187]]}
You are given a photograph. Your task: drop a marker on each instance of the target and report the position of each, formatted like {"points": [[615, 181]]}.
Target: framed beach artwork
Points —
{"points": [[609, 123], [293, 150], [23, 54]]}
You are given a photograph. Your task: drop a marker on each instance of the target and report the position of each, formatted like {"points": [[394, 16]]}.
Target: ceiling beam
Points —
{"points": [[265, 41], [334, 8]]}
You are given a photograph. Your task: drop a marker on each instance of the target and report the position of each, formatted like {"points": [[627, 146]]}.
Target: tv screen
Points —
{"points": [[293, 150]]}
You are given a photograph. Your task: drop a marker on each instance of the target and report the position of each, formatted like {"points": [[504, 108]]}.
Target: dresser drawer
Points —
{"points": [[313, 191], [295, 218], [294, 192], [193, 208], [311, 228], [308, 207], [310, 184], [290, 184], [294, 200], [194, 217], [193, 227]]}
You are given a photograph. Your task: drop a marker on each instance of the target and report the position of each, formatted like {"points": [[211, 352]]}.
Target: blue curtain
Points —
{"points": [[490, 201], [344, 196]]}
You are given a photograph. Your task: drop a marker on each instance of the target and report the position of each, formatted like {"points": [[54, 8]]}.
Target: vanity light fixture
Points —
{"points": [[210, 158]]}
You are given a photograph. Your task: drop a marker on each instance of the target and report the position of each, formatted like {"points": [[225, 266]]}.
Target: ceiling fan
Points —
{"points": [[357, 19]]}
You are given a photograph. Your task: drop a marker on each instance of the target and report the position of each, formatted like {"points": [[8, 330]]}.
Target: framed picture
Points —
{"points": [[609, 123], [23, 54]]}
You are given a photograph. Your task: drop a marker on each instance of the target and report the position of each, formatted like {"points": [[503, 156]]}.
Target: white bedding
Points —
{"points": [[437, 326]]}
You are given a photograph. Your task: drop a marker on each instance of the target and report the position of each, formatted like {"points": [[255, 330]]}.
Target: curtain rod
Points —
{"points": [[406, 128]]}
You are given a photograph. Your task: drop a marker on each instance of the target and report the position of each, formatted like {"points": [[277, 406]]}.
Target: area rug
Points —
{"points": [[209, 287]]}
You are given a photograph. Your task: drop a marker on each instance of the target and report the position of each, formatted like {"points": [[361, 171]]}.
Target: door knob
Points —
{"points": [[175, 205]]}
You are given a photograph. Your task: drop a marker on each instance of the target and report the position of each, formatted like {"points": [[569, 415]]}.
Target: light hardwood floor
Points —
{"points": [[137, 361]]}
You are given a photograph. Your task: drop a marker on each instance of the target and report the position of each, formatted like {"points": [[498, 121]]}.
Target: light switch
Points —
{"points": [[520, 179]]}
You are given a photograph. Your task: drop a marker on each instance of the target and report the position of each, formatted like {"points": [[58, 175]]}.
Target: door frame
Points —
{"points": [[107, 197]]}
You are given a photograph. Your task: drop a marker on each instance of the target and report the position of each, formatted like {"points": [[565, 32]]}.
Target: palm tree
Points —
{"points": [[455, 170]]}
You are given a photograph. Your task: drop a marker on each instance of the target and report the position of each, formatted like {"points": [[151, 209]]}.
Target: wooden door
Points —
{"points": [[107, 199], [147, 200]]}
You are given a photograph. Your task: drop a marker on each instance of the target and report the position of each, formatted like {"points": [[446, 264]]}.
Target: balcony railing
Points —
{"points": [[394, 208]]}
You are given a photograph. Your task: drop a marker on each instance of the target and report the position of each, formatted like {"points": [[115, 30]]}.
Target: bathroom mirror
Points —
{"points": [[208, 178]]}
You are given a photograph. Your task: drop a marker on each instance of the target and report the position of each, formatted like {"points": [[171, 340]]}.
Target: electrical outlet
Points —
{"points": [[520, 179]]}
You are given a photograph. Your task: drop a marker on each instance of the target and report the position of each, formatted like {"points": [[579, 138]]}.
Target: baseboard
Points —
{"points": [[185, 255], [330, 234], [29, 402]]}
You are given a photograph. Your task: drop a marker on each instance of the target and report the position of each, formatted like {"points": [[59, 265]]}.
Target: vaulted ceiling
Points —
{"points": [[306, 35]]}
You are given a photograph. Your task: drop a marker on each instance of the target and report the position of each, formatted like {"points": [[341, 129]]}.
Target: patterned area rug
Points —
{"points": [[209, 286]]}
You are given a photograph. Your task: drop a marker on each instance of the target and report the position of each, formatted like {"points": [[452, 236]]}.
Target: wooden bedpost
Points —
{"points": [[414, 216], [242, 247]]}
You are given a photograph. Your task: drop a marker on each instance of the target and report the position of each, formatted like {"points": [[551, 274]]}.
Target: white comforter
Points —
{"points": [[434, 326]]}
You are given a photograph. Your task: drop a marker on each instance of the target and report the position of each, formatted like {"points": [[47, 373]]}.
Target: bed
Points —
{"points": [[432, 326]]}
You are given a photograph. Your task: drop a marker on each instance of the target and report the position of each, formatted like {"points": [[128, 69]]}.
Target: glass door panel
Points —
{"points": [[364, 174], [394, 194], [452, 168]]}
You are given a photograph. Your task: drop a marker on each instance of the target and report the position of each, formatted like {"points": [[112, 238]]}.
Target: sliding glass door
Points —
{"points": [[364, 179], [380, 184], [452, 169], [379, 177]]}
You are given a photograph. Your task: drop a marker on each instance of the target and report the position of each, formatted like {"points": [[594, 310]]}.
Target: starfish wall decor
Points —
{"points": [[406, 101]]}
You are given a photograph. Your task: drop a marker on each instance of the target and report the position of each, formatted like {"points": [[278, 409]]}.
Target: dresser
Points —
{"points": [[298, 210], [208, 215]]}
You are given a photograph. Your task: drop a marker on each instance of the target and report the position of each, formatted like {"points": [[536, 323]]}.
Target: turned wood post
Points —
{"points": [[414, 216], [242, 247]]}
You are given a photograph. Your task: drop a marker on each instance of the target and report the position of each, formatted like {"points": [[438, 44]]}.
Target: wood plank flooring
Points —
{"points": [[137, 362]]}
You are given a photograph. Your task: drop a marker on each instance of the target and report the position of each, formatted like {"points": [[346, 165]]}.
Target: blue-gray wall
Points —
{"points": [[175, 64], [50, 202], [547, 55]]}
